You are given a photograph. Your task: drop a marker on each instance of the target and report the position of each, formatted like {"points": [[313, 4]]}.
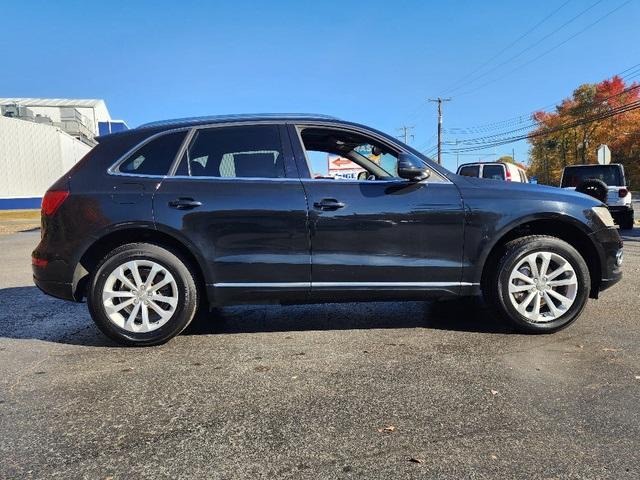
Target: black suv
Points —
{"points": [[171, 217]]}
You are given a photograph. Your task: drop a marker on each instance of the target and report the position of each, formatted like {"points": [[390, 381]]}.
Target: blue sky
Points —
{"points": [[373, 62]]}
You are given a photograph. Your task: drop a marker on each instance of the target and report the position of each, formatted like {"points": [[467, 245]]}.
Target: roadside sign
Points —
{"points": [[604, 155]]}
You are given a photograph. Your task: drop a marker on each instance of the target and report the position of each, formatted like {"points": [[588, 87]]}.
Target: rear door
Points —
{"points": [[236, 199]]}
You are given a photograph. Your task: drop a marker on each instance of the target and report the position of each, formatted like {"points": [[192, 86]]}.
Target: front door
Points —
{"points": [[374, 234], [235, 199]]}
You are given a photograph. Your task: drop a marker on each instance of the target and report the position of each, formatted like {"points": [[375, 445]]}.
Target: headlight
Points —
{"points": [[604, 215]]}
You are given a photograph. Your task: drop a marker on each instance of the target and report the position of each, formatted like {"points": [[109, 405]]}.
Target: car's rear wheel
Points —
{"points": [[541, 284], [142, 294]]}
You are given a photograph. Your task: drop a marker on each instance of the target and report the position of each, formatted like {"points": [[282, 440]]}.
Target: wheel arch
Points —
{"points": [[132, 234], [560, 226]]}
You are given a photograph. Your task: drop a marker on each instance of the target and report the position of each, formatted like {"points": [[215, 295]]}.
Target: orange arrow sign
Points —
{"points": [[338, 162]]}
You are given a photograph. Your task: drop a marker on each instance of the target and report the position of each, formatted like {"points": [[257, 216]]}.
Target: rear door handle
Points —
{"points": [[184, 203], [328, 204]]}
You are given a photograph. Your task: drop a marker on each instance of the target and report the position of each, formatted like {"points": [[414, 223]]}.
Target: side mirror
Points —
{"points": [[412, 168]]}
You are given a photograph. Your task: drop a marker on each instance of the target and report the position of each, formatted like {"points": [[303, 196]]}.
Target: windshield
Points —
{"points": [[609, 174]]}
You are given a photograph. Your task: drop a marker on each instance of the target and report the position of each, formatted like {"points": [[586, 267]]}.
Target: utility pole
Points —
{"points": [[439, 100], [405, 133]]}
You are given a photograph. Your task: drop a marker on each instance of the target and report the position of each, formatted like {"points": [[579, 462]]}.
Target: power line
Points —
{"points": [[405, 133], [427, 143], [601, 116], [633, 72], [500, 140], [430, 150], [555, 47], [532, 29], [533, 45], [496, 137]]}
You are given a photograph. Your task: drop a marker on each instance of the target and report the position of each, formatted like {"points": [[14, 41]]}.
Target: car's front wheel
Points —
{"points": [[541, 284], [142, 294]]}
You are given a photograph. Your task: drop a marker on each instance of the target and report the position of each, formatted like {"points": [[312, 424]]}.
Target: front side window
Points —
{"points": [[493, 172], [154, 157], [234, 152], [343, 155]]}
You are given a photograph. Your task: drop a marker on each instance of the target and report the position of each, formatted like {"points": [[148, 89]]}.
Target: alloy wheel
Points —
{"points": [[140, 296], [543, 286]]}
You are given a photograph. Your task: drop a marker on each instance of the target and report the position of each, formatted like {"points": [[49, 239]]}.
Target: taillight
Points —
{"points": [[508, 174], [623, 192], [39, 262], [52, 201]]}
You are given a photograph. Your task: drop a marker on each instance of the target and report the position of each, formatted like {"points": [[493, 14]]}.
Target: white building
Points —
{"points": [[40, 139]]}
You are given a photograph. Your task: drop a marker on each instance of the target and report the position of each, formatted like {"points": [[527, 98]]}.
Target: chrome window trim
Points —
{"points": [[114, 169], [362, 131], [347, 181], [192, 133], [229, 179]]}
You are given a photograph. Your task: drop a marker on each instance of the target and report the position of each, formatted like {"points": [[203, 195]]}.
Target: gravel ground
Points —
{"points": [[379, 390]]}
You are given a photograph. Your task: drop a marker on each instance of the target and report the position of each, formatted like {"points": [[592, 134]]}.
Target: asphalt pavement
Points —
{"points": [[378, 390]]}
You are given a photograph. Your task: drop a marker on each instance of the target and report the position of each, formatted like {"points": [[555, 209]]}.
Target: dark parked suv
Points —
{"points": [[157, 222]]}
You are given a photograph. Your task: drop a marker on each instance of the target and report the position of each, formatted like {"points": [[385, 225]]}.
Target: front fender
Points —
{"points": [[482, 235]]}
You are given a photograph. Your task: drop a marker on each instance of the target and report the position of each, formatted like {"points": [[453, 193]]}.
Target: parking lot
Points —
{"points": [[380, 390]]}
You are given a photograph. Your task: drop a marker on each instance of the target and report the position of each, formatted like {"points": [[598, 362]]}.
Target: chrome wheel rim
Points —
{"points": [[140, 296], [543, 286]]}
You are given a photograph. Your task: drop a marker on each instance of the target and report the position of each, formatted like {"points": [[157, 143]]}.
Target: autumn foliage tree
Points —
{"points": [[553, 146]]}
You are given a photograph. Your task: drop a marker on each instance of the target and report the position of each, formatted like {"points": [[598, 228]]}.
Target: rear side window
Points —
{"points": [[470, 171], [154, 157], [235, 152], [493, 172]]}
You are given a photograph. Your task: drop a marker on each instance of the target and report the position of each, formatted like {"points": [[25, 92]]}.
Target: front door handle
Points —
{"points": [[184, 203], [328, 204]]}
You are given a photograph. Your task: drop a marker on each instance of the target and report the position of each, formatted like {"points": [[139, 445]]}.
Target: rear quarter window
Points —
{"points": [[154, 157]]}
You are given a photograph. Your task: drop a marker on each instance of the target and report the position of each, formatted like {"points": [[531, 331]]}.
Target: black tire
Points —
{"points": [[595, 188], [496, 282], [187, 294], [627, 221]]}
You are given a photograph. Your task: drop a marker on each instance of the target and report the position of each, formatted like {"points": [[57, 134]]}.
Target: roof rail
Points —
{"points": [[231, 117]]}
